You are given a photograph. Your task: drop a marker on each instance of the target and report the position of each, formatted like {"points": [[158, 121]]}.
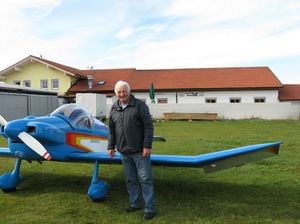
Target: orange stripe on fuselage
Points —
{"points": [[73, 139]]}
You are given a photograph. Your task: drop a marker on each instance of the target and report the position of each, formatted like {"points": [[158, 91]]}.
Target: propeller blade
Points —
{"points": [[35, 145], [3, 122]]}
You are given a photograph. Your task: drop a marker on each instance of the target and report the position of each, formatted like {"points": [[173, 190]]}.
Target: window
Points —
{"points": [[259, 99], [44, 84], [17, 82], [27, 83], [77, 116], [162, 100], [101, 82], [210, 100], [235, 100], [55, 84]]}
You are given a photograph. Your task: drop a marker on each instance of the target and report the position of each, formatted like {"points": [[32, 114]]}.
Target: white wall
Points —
{"points": [[145, 96], [247, 109], [282, 110], [192, 97], [271, 96], [171, 96]]}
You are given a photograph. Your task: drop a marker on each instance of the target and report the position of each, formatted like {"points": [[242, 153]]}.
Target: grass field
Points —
{"points": [[267, 191]]}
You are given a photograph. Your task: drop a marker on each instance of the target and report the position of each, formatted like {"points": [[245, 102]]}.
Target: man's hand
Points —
{"points": [[146, 152], [111, 153]]}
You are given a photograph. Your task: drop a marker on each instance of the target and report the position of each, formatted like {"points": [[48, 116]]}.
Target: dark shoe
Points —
{"points": [[132, 209], [149, 215]]}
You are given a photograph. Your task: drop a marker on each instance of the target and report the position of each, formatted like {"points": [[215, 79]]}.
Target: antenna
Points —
{"points": [[91, 68]]}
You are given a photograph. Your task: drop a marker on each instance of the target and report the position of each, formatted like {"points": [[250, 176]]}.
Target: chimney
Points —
{"points": [[90, 79]]}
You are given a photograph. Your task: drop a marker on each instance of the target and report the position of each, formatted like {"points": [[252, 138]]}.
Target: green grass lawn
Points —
{"points": [[266, 191]]}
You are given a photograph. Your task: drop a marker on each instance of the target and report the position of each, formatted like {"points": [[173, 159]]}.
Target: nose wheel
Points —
{"points": [[10, 181]]}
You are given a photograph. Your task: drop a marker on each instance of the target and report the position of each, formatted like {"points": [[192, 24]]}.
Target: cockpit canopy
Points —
{"points": [[77, 115]]}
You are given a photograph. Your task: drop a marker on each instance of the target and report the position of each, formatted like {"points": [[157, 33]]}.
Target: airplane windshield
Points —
{"points": [[76, 114]]}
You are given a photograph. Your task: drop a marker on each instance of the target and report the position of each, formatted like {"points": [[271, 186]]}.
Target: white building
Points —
{"points": [[232, 93], [201, 97]]}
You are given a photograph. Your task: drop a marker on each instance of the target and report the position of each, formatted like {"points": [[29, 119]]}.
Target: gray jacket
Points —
{"points": [[130, 129]]}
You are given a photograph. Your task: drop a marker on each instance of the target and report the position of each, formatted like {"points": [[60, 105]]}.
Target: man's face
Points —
{"points": [[123, 95]]}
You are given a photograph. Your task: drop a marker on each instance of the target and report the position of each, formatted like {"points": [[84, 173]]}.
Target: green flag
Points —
{"points": [[152, 93]]}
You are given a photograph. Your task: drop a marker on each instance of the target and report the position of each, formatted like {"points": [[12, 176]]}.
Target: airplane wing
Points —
{"points": [[5, 152], [102, 157], [211, 162]]}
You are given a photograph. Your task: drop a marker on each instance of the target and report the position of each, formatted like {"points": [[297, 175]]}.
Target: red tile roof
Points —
{"points": [[289, 92], [69, 69], [166, 79], [30, 58], [182, 79]]}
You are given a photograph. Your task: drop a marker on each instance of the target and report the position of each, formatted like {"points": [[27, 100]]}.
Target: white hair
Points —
{"points": [[120, 84]]}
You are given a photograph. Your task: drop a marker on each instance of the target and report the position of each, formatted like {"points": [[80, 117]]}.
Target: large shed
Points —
{"points": [[19, 101]]}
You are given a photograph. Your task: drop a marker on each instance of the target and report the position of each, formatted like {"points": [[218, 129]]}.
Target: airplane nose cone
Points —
{"points": [[14, 128]]}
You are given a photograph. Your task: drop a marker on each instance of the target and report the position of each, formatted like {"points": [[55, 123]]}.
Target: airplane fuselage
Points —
{"points": [[57, 135]]}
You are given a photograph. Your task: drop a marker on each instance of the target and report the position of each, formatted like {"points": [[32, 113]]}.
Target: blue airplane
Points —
{"points": [[70, 134]]}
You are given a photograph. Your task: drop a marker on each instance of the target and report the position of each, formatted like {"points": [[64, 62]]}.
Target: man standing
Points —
{"points": [[131, 133]]}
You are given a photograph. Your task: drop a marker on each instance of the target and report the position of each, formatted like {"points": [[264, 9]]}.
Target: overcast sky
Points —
{"points": [[154, 34]]}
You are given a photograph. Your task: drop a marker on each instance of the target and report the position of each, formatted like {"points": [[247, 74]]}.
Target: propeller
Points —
{"points": [[3, 122], [34, 144]]}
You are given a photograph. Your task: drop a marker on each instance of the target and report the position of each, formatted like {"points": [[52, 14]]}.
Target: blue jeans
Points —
{"points": [[138, 174]]}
